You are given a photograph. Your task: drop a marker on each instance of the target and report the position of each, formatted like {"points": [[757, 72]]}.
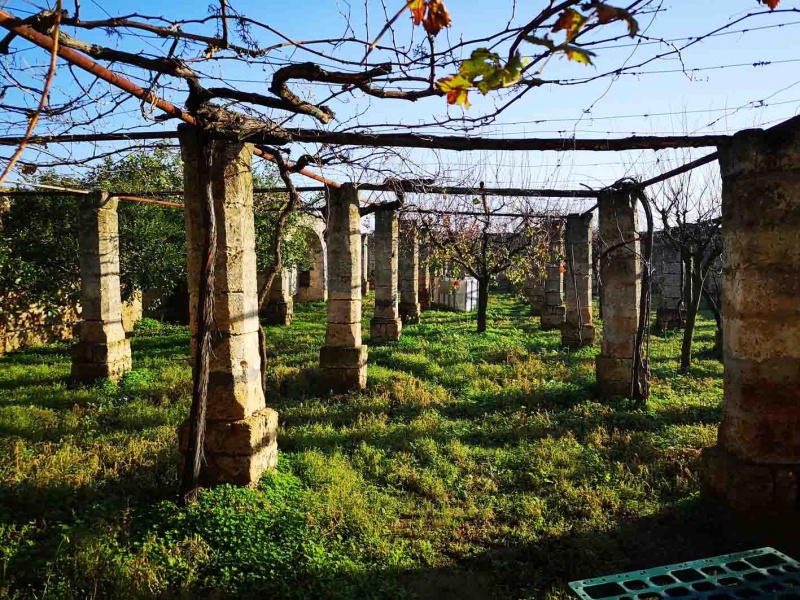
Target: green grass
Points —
{"points": [[473, 466]]}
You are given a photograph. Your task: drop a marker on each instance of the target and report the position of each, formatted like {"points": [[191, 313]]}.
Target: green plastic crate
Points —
{"points": [[762, 573]]}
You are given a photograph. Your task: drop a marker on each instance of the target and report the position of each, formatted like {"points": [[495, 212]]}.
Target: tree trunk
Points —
{"points": [[483, 302], [692, 308], [716, 309], [686, 276]]}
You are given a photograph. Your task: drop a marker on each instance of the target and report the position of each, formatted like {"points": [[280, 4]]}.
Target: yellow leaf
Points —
{"points": [[456, 88], [578, 55]]}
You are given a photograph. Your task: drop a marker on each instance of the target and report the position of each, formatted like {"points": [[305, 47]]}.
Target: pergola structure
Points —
{"points": [[757, 460]]}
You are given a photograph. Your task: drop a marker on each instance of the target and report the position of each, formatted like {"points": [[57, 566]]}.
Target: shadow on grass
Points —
{"points": [[691, 530]]}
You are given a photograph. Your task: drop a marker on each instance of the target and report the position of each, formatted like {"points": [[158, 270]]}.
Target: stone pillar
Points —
{"points": [[241, 433], [424, 278], [554, 312], [364, 265], [668, 277], [578, 330], [102, 349], [534, 293], [756, 463], [279, 308], [371, 261], [312, 285], [386, 325], [620, 273], [343, 358], [409, 272]]}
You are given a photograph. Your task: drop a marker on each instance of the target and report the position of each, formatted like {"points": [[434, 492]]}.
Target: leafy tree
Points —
{"points": [[151, 238], [39, 247]]}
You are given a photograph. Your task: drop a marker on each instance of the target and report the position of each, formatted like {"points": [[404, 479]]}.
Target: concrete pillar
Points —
{"points": [[578, 329], [756, 463], [343, 358], [102, 349], [620, 272], [424, 278], [241, 433], [386, 325], [409, 272], [279, 308], [365, 264], [554, 312]]}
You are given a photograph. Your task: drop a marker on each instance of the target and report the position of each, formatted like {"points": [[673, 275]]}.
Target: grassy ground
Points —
{"points": [[473, 466]]}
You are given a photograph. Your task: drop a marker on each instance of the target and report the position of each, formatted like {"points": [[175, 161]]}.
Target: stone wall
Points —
{"points": [[24, 325]]}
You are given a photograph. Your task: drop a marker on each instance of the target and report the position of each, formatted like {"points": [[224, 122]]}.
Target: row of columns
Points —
{"points": [[757, 460]]}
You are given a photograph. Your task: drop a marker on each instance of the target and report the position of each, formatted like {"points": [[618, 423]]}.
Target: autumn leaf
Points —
{"points": [[773, 4], [579, 54], [547, 43], [570, 21], [417, 8], [606, 14], [437, 17], [456, 87]]}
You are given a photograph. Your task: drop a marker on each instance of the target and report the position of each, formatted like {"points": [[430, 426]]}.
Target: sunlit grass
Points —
{"points": [[472, 466]]}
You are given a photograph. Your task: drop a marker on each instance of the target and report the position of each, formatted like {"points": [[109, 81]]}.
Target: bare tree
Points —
{"points": [[483, 238], [689, 207]]}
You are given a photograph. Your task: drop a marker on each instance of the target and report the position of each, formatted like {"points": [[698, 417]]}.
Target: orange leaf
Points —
{"points": [[457, 89], [773, 4], [417, 8], [607, 14], [437, 17], [570, 21]]}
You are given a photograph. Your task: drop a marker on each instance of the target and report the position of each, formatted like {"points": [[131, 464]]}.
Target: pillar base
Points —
{"points": [[343, 369], [670, 319], [383, 330], [537, 306], [570, 337], [614, 376], [409, 313], [92, 360], [237, 452], [553, 317], [744, 486], [278, 313]]}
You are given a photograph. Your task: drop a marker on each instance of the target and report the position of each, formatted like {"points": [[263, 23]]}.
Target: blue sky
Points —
{"points": [[707, 101]]}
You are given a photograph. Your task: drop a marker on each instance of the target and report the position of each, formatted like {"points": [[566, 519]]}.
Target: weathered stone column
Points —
{"points": [[365, 264], [424, 279], [756, 464], [554, 312], [279, 308], [409, 272], [102, 349], [343, 358], [620, 273], [534, 293], [668, 276], [312, 284], [578, 330], [386, 325], [241, 433]]}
